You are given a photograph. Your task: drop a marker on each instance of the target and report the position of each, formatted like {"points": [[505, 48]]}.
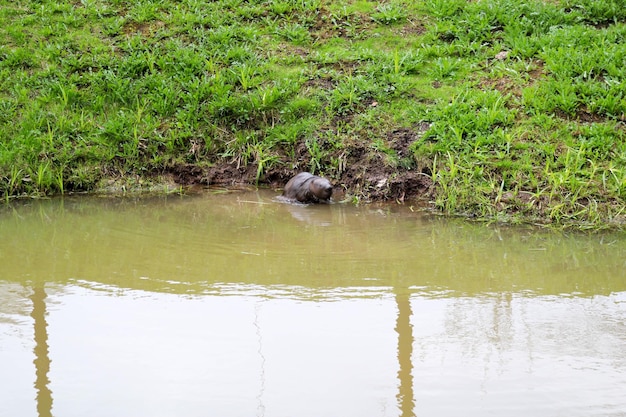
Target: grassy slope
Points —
{"points": [[514, 109]]}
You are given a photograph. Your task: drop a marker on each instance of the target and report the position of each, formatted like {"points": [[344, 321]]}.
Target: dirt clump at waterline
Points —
{"points": [[363, 173], [362, 181]]}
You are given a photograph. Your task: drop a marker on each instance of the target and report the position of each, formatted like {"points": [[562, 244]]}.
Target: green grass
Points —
{"points": [[525, 101]]}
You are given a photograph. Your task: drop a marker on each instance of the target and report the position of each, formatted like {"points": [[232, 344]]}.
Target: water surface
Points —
{"points": [[234, 304]]}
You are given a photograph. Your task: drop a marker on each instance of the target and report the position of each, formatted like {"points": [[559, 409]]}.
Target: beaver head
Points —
{"points": [[321, 188]]}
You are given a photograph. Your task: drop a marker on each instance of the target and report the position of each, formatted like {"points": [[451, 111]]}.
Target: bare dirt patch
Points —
{"points": [[323, 83], [504, 85], [401, 139], [145, 29], [412, 28], [366, 173], [582, 115], [369, 175], [380, 182]]}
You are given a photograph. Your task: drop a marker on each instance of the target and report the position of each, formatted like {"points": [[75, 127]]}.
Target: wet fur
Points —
{"points": [[308, 188]]}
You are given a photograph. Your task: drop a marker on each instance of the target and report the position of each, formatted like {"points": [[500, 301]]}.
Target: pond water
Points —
{"points": [[234, 304]]}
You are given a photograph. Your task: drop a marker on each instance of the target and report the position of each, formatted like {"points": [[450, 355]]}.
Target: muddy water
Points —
{"points": [[237, 305]]}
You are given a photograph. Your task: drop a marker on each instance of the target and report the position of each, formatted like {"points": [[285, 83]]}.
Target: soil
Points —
{"points": [[366, 174]]}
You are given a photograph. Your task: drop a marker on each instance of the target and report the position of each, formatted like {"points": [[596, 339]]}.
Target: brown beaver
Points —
{"points": [[308, 188]]}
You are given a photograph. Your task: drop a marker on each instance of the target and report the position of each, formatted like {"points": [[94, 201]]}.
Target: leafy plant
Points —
{"points": [[389, 13]]}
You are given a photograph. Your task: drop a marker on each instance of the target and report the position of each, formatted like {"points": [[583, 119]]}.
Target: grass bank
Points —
{"points": [[498, 109]]}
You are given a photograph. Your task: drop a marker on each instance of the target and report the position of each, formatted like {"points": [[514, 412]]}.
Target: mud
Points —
{"points": [[364, 173]]}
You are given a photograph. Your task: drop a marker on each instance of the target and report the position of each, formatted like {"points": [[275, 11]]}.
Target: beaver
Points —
{"points": [[308, 188]]}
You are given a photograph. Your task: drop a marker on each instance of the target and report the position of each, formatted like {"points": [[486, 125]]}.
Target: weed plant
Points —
{"points": [[525, 100]]}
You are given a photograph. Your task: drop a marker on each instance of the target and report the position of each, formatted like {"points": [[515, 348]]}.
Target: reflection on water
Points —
{"points": [[42, 361], [236, 304], [405, 352]]}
